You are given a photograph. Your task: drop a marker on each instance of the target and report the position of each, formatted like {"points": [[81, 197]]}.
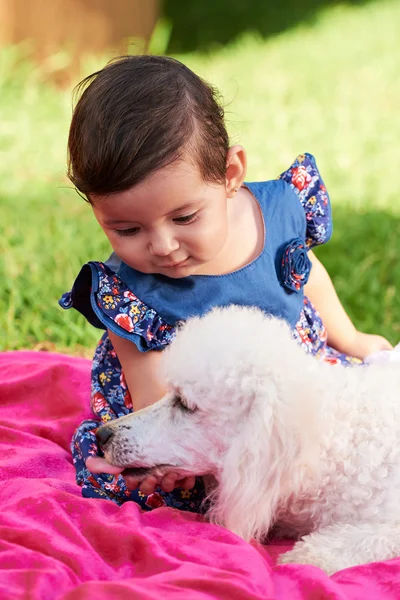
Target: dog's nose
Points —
{"points": [[103, 434]]}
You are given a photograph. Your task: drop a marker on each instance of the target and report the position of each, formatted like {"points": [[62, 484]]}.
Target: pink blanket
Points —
{"points": [[56, 544]]}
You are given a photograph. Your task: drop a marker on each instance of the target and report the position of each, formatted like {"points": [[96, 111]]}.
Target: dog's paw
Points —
{"points": [[304, 554], [297, 556]]}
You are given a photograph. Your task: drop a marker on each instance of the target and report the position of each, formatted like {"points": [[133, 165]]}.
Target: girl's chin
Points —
{"points": [[185, 270]]}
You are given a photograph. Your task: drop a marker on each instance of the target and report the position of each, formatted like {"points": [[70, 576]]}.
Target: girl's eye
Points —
{"points": [[127, 232], [186, 219]]}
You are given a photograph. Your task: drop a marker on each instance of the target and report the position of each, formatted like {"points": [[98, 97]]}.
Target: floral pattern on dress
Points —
{"points": [[312, 335], [304, 178], [117, 302], [119, 309], [295, 265]]}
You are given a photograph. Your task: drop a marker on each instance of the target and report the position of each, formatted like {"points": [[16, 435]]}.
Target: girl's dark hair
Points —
{"points": [[139, 114]]}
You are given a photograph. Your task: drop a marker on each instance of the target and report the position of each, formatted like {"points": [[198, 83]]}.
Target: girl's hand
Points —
{"points": [[364, 344], [97, 464], [169, 482]]}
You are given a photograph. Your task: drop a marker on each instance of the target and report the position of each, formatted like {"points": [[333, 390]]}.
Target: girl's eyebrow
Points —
{"points": [[184, 207], [110, 222]]}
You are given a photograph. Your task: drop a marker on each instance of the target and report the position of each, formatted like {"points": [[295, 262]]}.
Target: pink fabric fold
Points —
{"points": [[54, 544]]}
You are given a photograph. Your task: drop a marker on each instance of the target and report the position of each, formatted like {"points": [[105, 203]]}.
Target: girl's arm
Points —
{"points": [[141, 371], [342, 334]]}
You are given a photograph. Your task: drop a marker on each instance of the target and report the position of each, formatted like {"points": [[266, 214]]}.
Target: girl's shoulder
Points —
{"points": [[102, 296], [306, 182], [298, 194]]}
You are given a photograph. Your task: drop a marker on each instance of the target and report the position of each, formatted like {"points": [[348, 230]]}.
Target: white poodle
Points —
{"points": [[296, 446]]}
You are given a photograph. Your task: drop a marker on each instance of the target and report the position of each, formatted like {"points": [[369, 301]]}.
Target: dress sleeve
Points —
{"points": [[304, 178], [104, 299]]}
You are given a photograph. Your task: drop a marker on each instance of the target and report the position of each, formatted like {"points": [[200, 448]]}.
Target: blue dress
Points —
{"points": [[145, 309]]}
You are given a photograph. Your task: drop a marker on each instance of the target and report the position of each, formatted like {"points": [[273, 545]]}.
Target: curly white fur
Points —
{"points": [[294, 444]]}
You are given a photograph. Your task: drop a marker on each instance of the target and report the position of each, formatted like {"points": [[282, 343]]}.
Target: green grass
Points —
{"points": [[331, 88]]}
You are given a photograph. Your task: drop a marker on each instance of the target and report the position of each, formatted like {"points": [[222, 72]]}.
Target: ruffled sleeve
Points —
{"points": [[304, 178], [104, 299]]}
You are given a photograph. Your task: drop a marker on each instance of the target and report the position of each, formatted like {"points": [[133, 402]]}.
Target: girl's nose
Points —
{"points": [[163, 245]]}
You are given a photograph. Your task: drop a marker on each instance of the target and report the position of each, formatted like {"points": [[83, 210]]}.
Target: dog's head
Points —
{"points": [[215, 371]]}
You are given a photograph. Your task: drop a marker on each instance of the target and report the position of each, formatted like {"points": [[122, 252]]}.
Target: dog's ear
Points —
{"points": [[271, 458]]}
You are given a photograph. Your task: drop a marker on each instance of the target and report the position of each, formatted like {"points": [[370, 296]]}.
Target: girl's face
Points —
{"points": [[172, 223]]}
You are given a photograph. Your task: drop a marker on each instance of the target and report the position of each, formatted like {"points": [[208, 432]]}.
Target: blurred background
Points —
{"points": [[317, 75]]}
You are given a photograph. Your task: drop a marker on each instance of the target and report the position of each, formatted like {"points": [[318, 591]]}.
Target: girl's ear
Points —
{"points": [[236, 166]]}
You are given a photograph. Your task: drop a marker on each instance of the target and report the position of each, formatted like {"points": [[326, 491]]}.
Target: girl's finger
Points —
{"points": [[131, 482], [187, 484], [169, 482], [148, 485], [97, 464]]}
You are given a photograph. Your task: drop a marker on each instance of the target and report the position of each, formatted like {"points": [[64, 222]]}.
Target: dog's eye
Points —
{"points": [[177, 402]]}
